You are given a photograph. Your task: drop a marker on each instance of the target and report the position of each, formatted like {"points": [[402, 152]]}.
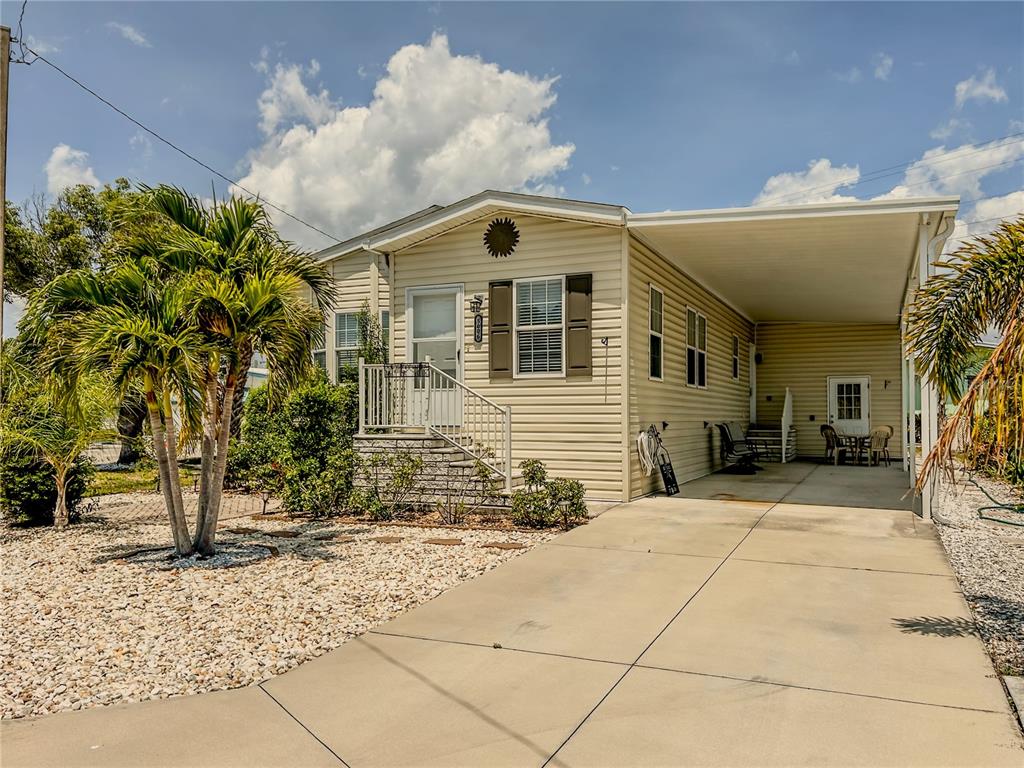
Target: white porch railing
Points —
{"points": [[787, 422], [409, 396]]}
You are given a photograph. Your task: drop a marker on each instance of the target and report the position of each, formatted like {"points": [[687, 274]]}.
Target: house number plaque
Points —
{"points": [[478, 328]]}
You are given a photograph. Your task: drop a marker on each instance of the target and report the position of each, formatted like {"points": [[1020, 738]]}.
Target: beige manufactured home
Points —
{"points": [[557, 329]]}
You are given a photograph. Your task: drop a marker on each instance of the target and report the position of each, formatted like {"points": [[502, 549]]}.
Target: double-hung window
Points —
{"points": [[656, 339], [540, 327], [696, 349], [346, 341], [736, 357]]}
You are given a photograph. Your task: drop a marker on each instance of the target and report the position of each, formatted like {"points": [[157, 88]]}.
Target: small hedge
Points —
{"points": [[28, 489]]}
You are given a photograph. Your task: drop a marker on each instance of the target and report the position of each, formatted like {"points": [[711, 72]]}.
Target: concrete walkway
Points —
{"points": [[684, 631]]}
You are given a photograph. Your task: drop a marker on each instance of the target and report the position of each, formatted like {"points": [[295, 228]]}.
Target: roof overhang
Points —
{"points": [[829, 263], [437, 220]]}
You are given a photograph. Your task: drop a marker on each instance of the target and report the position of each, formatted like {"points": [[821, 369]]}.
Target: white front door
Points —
{"points": [[849, 404], [435, 333]]}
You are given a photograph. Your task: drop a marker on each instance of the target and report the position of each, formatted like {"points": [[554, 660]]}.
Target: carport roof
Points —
{"points": [[829, 262]]}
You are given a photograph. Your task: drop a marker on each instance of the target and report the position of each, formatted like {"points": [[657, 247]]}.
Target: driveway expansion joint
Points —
{"points": [[304, 727], [636, 661]]}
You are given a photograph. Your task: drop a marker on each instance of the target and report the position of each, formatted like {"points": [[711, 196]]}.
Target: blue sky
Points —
{"points": [[352, 114]]}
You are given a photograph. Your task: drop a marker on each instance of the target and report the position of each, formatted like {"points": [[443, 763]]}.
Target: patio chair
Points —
{"points": [[757, 446], [835, 450], [879, 449], [737, 450]]}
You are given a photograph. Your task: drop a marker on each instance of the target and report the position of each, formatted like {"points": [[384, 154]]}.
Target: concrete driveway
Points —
{"points": [[686, 631]]}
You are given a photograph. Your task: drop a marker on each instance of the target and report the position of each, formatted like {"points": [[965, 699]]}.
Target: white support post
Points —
{"points": [[428, 395], [508, 448], [903, 398], [928, 400], [362, 396]]}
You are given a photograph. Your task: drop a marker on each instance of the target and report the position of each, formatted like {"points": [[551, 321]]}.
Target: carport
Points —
{"points": [[826, 287]]}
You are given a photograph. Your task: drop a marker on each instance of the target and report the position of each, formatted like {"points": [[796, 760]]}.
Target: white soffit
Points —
{"points": [[829, 263]]}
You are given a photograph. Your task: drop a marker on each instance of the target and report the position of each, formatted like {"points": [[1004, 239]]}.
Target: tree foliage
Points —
{"points": [[979, 287]]}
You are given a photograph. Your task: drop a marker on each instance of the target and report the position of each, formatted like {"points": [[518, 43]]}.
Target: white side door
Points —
{"points": [[435, 332], [849, 404]]}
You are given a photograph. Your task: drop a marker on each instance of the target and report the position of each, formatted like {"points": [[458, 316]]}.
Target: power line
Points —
{"points": [[178, 149], [895, 170]]}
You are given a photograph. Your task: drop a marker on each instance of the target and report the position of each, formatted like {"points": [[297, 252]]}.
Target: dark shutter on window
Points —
{"points": [[578, 312], [499, 329]]}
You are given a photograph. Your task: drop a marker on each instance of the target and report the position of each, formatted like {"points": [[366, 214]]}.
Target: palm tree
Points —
{"points": [[131, 321], [59, 423], [980, 287], [247, 292]]}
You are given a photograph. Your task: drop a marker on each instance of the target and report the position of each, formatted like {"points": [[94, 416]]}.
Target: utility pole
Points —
{"points": [[5, 66]]}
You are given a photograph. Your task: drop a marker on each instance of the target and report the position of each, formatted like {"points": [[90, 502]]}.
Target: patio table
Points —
{"points": [[857, 444]]}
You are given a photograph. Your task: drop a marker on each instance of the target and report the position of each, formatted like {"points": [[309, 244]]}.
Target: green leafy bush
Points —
{"points": [[386, 481], [300, 448], [28, 491], [546, 501]]}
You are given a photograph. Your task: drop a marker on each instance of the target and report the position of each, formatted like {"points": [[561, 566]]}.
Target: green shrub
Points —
{"points": [[545, 501], [28, 490], [300, 448], [386, 481]]}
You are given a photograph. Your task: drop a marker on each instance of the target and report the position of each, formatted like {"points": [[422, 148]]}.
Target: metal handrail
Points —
{"points": [[428, 398]]}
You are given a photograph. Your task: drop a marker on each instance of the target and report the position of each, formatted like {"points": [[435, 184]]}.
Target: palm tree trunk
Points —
{"points": [[131, 415], [60, 514], [211, 418], [208, 537], [172, 466], [160, 451], [238, 406]]}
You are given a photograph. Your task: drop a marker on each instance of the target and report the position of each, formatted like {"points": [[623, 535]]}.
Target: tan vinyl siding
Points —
{"points": [[694, 448], [352, 281], [572, 424], [802, 356]]}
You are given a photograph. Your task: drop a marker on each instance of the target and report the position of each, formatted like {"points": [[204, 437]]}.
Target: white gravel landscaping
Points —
{"points": [[988, 559], [81, 630]]}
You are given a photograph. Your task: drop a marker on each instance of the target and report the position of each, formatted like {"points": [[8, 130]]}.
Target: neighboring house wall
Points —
{"points": [[572, 424], [353, 280], [694, 448], [802, 356]]}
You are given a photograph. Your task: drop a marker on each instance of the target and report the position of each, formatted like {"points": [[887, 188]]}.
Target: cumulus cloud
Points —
{"points": [[66, 167], [40, 46], [439, 127], [129, 33], [820, 183], [956, 171], [948, 128], [983, 88], [882, 63]]}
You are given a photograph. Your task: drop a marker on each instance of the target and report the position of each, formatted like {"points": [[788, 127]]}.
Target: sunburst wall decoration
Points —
{"points": [[501, 237]]}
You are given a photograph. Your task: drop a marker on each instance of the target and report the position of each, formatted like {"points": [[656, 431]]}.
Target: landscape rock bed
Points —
{"points": [[91, 620], [988, 559]]}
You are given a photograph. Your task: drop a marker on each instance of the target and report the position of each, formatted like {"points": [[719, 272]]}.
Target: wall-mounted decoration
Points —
{"points": [[501, 237], [476, 305]]}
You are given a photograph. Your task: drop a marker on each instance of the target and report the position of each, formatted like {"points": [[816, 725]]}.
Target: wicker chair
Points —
{"points": [[879, 449], [835, 451]]}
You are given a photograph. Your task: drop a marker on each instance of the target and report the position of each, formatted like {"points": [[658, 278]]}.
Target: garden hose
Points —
{"points": [[997, 505]]}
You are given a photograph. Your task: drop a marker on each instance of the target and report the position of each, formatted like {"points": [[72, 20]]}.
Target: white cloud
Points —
{"points": [[945, 130], [129, 33], [852, 75], [286, 98], [613, 168], [984, 88], [792, 58], [13, 312], [586, 179], [142, 144], [820, 183], [956, 171], [439, 127], [67, 167], [988, 213], [882, 63], [42, 47]]}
